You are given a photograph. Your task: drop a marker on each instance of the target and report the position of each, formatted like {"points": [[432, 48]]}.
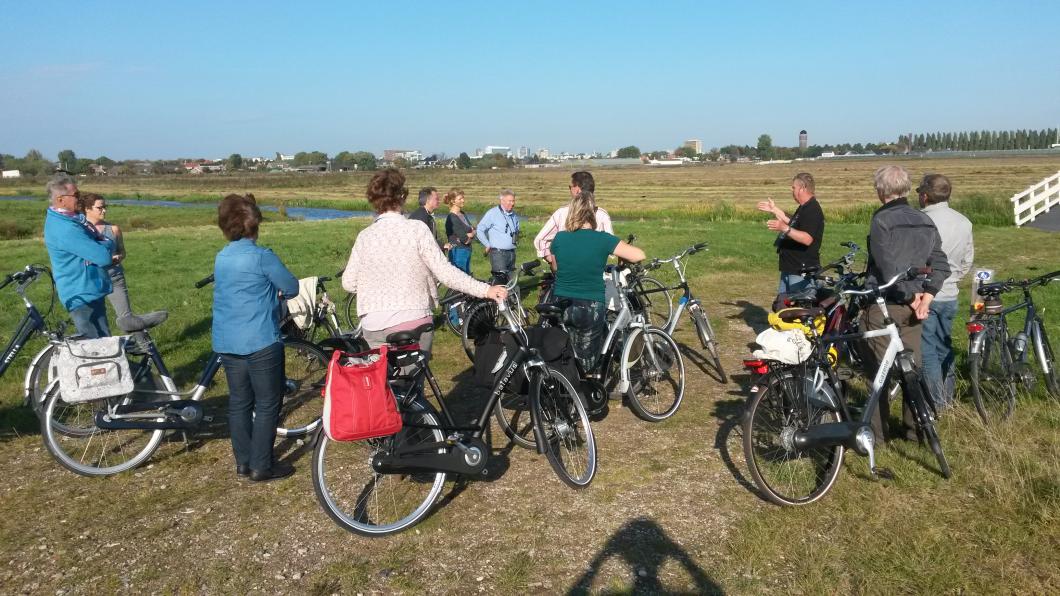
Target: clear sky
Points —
{"points": [[164, 80]]}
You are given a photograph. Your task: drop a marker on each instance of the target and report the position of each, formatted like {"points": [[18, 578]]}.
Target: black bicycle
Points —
{"points": [[381, 486], [998, 361]]}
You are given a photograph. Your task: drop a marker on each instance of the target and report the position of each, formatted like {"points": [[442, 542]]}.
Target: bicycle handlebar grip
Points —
{"points": [[700, 246], [204, 281], [631, 239], [323, 279], [529, 266]]}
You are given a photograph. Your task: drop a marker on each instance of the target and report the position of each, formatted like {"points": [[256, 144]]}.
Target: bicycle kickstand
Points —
{"points": [[866, 443]]}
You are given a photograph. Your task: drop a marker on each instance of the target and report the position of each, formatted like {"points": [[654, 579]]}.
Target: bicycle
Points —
{"points": [[385, 485], [481, 316], [998, 362], [796, 429], [112, 435], [636, 360], [696, 312]]}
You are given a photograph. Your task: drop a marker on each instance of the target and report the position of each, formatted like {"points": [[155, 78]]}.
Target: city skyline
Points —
{"points": [[135, 83]]}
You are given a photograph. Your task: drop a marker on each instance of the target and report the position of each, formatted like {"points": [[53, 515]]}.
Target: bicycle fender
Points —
{"points": [[975, 342], [27, 388]]}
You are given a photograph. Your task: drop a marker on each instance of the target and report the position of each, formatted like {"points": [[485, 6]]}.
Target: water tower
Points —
{"points": [[803, 139]]}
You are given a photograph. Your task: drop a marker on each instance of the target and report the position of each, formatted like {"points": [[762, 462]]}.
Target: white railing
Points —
{"points": [[1036, 200]]}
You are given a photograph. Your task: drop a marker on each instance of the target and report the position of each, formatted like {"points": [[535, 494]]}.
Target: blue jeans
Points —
{"points": [[586, 323], [460, 257], [502, 260], [91, 319], [791, 283], [938, 355], [256, 385]]}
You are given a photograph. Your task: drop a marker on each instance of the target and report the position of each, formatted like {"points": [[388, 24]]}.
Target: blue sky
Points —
{"points": [[162, 80]]}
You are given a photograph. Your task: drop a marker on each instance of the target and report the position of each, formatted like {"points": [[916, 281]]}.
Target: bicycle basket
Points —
{"points": [[91, 369]]}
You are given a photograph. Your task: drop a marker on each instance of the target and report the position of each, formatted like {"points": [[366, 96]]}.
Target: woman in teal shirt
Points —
{"points": [[581, 254]]}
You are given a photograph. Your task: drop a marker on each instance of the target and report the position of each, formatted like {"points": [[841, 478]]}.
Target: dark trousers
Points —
{"points": [[91, 319], [586, 321], [255, 394], [502, 260], [909, 329]]}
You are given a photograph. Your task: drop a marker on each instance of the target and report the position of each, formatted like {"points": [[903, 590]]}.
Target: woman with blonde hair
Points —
{"points": [[458, 230], [581, 254]]}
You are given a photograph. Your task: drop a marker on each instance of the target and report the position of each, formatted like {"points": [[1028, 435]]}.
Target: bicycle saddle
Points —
{"points": [[498, 278], [790, 315], [134, 323], [404, 338], [552, 309], [993, 289]]}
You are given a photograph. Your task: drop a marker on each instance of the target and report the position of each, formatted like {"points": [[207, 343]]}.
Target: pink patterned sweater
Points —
{"points": [[394, 264]]}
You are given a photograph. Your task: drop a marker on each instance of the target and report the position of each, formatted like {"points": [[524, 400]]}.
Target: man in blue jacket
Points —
{"points": [[78, 255]]}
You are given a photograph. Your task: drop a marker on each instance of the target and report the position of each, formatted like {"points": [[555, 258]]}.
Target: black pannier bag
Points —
{"points": [[494, 352]]}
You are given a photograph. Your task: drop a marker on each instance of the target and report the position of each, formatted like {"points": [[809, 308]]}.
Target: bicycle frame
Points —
{"points": [[31, 323]]}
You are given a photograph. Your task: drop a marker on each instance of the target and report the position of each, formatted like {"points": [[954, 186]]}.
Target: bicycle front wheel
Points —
{"points": [[365, 502], [73, 439], [656, 373], [924, 415], [350, 309], [1043, 351], [512, 413], [707, 338], [570, 446], [785, 474], [993, 379], [305, 369]]}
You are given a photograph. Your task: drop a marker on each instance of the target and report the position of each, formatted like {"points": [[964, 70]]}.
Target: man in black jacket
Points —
{"points": [[428, 203], [901, 237]]}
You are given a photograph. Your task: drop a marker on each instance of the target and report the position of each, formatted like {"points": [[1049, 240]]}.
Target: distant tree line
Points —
{"points": [[976, 140]]}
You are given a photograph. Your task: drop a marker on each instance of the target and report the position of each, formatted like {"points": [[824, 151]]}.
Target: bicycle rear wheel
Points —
{"points": [[993, 379], [305, 370], [1043, 352], [73, 439], [368, 503], [570, 446], [785, 474], [479, 320], [707, 338], [350, 308], [512, 413], [656, 374]]}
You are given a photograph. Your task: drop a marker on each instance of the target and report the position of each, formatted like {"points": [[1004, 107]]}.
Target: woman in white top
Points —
{"points": [[395, 265]]}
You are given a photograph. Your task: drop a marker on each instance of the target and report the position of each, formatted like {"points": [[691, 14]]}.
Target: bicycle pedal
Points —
{"points": [[883, 474]]}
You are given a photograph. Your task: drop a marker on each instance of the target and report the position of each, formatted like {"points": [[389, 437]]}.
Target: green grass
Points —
{"points": [[994, 527]]}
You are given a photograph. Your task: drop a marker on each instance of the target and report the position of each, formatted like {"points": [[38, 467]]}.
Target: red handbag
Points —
{"points": [[358, 401]]}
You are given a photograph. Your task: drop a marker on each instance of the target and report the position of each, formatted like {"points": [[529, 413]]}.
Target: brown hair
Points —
{"points": [[450, 197], [582, 211], [386, 190], [806, 180], [583, 180], [86, 200], [937, 188], [238, 217]]}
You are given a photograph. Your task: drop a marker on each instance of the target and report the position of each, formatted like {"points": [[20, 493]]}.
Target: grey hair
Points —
{"points": [[892, 182], [58, 183], [506, 193]]}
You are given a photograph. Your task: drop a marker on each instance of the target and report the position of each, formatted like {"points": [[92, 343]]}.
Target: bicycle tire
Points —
{"points": [[784, 474], [87, 450], [708, 338], [650, 357], [479, 320], [350, 308], [563, 424], [40, 373], [305, 370], [512, 414], [992, 377], [368, 503], [658, 305], [922, 412], [1046, 358]]}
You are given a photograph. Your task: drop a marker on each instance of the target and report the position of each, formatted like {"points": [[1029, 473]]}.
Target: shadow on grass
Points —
{"points": [[17, 421], [644, 547], [730, 414], [756, 317]]}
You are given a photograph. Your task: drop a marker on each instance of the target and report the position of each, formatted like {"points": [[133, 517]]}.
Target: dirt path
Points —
{"points": [[656, 517]]}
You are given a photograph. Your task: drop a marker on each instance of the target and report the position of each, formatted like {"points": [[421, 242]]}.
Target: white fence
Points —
{"points": [[1036, 200]]}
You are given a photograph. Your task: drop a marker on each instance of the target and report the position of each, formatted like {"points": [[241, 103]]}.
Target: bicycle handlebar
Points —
{"points": [[204, 281], [29, 273], [910, 273]]}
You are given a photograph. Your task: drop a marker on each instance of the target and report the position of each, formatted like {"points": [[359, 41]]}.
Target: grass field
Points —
{"points": [[671, 508], [982, 187]]}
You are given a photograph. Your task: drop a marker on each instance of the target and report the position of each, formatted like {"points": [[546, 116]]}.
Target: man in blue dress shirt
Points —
{"points": [[498, 231]]}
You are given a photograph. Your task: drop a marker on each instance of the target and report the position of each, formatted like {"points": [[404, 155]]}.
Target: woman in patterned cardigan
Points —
{"points": [[394, 266]]}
